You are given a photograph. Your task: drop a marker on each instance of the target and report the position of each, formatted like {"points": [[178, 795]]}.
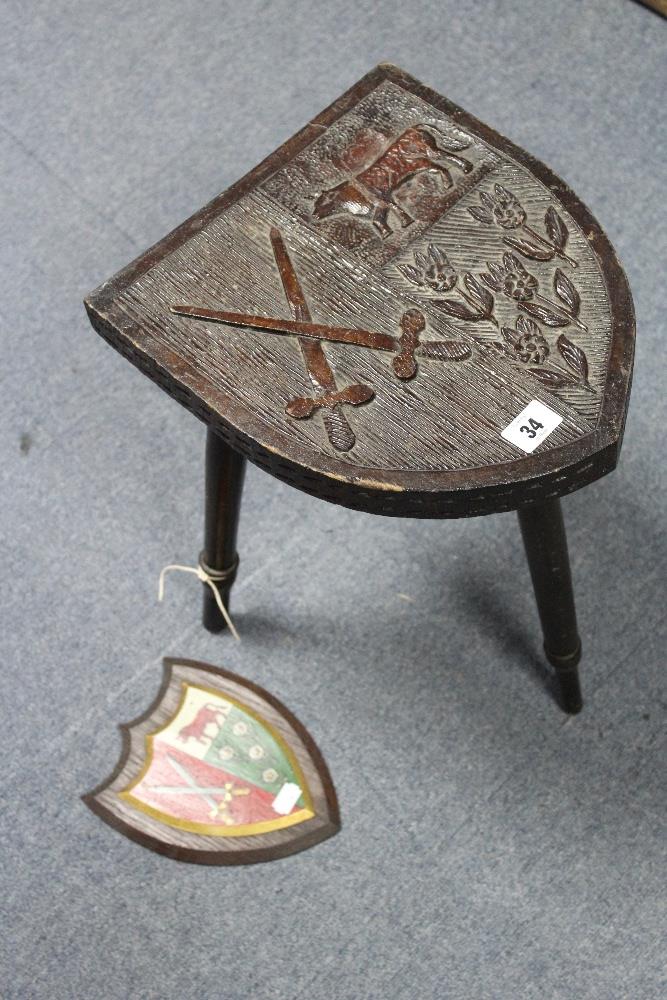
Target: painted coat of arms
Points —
{"points": [[217, 771]]}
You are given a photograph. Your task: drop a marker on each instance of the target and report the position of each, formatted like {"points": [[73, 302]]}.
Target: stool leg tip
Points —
{"points": [[570, 693], [567, 674]]}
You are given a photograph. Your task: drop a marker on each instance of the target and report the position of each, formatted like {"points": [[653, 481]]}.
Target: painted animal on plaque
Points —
{"points": [[206, 716], [370, 194]]}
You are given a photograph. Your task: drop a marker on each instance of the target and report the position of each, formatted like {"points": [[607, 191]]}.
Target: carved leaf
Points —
{"points": [[487, 303], [453, 308], [528, 327], [547, 316], [556, 228], [491, 282], [481, 214], [511, 336], [551, 378], [566, 292], [500, 346], [573, 356], [472, 284], [478, 293], [497, 271], [411, 273], [445, 350], [528, 249], [512, 263]]}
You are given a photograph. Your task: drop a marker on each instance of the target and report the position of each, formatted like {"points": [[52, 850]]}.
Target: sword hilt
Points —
{"points": [[303, 407], [412, 324]]}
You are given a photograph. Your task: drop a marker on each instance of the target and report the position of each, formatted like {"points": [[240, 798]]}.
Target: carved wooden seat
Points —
{"points": [[398, 311]]}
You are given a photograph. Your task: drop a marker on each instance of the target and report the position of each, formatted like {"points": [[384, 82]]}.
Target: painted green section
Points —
{"points": [[247, 750]]}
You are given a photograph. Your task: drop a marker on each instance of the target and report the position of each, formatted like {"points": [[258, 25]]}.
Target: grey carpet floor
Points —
{"points": [[492, 847]]}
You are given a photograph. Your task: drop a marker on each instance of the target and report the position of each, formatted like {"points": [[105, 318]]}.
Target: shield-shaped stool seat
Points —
{"points": [[398, 311]]}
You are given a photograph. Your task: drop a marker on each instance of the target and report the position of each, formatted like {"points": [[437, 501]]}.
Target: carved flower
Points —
{"points": [[256, 752], [501, 207], [532, 350], [512, 279], [526, 343], [520, 285], [432, 270]]}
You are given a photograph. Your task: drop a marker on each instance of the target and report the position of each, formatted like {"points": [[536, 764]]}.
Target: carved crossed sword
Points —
{"points": [[311, 336], [407, 348], [328, 397]]}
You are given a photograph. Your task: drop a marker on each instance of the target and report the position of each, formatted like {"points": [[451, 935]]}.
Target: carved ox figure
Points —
{"points": [[206, 715], [371, 194]]}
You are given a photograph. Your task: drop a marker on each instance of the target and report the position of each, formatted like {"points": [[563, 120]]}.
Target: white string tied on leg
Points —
{"points": [[210, 577]]}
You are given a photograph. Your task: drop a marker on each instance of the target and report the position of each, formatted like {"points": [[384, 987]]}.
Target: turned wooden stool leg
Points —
{"points": [[225, 470], [543, 533]]}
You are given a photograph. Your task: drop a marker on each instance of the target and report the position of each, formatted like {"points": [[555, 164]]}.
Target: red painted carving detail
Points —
{"points": [[370, 194], [206, 715]]}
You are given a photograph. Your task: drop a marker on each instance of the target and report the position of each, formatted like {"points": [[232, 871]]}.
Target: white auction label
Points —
{"points": [[533, 425], [286, 798]]}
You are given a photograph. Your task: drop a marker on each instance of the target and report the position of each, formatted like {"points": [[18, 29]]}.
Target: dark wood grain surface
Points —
{"points": [[393, 200]]}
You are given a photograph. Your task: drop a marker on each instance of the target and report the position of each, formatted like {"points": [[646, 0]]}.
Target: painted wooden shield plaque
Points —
{"points": [[218, 771]]}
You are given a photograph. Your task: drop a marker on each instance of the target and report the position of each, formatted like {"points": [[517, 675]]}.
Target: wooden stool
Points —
{"points": [[401, 312]]}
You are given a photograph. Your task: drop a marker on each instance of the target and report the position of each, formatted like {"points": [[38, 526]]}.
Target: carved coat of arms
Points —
{"points": [[382, 297]]}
